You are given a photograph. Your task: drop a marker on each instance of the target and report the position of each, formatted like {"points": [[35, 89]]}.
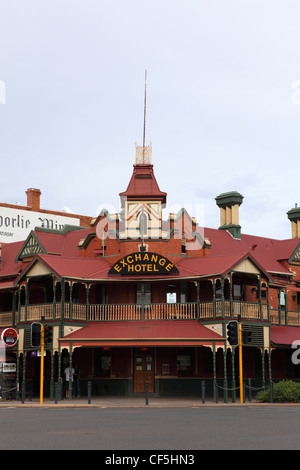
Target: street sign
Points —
{"points": [[9, 337]]}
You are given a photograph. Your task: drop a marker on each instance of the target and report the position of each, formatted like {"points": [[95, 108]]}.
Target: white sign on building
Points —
{"points": [[15, 224]]}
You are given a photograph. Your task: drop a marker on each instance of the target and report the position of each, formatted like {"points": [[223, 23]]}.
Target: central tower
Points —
{"points": [[143, 201]]}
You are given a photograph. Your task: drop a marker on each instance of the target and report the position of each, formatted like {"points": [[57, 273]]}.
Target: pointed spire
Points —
{"points": [[143, 155], [145, 101]]}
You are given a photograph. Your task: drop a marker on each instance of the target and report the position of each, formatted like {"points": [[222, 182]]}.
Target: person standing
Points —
{"points": [[67, 374]]}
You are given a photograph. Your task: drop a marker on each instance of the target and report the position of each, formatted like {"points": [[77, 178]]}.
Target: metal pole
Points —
{"points": [[56, 392], [42, 365], [271, 391], [147, 392], [89, 391], [217, 393], [250, 391], [203, 390], [23, 392], [241, 362]]}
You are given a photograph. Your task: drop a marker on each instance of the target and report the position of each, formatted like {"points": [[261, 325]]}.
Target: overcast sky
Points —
{"points": [[223, 103]]}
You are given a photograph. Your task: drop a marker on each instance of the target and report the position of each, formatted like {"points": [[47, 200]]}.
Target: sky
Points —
{"points": [[223, 104]]}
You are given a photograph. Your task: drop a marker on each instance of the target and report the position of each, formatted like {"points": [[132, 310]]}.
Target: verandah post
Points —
{"points": [[70, 372], [198, 299]]}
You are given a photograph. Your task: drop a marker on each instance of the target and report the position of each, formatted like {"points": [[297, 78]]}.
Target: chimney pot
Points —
{"points": [[229, 212], [33, 199]]}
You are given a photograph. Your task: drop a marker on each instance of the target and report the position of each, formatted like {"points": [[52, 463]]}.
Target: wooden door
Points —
{"points": [[143, 371]]}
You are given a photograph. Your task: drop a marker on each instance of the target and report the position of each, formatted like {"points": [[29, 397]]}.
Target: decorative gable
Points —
{"points": [[295, 258], [31, 247]]}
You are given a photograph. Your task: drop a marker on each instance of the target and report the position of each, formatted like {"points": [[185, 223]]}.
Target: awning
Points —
{"points": [[7, 285], [143, 333], [284, 335]]}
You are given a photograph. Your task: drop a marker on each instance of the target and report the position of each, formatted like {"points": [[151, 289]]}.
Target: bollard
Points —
{"points": [[250, 391], [271, 391], [89, 392], [147, 392], [23, 391], [203, 390], [56, 392]]}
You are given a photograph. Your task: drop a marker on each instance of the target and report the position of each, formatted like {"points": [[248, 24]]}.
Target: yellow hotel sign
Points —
{"points": [[144, 263]]}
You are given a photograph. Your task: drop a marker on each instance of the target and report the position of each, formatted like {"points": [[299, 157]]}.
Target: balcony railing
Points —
{"points": [[181, 311]]}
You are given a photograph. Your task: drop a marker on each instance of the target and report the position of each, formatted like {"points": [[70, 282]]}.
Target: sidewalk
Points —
{"points": [[132, 402]]}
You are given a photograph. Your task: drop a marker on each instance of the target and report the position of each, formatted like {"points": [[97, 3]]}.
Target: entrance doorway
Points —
{"points": [[143, 368]]}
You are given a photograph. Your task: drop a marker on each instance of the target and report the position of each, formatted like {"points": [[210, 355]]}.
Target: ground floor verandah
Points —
{"points": [[123, 371], [172, 366]]}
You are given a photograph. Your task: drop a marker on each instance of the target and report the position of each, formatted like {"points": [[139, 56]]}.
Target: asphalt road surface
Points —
{"points": [[180, 429]]}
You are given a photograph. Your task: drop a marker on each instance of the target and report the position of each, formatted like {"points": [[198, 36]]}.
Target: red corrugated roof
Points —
{"points": [[265, 251], [284, 335], [8, 255], [64, 244], [143, 184], [143, 333], [82, 268]]}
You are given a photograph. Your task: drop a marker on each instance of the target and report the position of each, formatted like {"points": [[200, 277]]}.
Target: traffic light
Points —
{"points": [[47, 334], [36, 334], [247, 336], [233, 333]]}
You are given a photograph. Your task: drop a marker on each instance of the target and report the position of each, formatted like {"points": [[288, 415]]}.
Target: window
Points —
{"points": [[183, 244], [103, 362], [185, 362], [147, 293]]}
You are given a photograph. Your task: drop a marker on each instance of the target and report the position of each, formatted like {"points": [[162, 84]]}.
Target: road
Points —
{"points": [[180, 429]]}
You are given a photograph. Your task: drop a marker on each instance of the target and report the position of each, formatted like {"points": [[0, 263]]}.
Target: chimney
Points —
{"points": [[229, 212], [294, 217], [33, 199]]}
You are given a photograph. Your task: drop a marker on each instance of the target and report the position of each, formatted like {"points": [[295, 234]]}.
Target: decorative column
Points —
{"points": [[263, 367], [54, 298], [225, 375], [70, 372], [51, 375], [62, 288], [26, 297], [87, 290], [19, 303], [270, 361], [259, 297], [17, 376], [24, 368], [198, 299], [214, 370], [268, 299], [214, 297], [233, 375], [14, 308], [59, 377], [223, 297], [71, 300], [231, 295]]}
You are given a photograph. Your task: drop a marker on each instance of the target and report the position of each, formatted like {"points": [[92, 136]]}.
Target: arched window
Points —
{"points": [[143, 224]]}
